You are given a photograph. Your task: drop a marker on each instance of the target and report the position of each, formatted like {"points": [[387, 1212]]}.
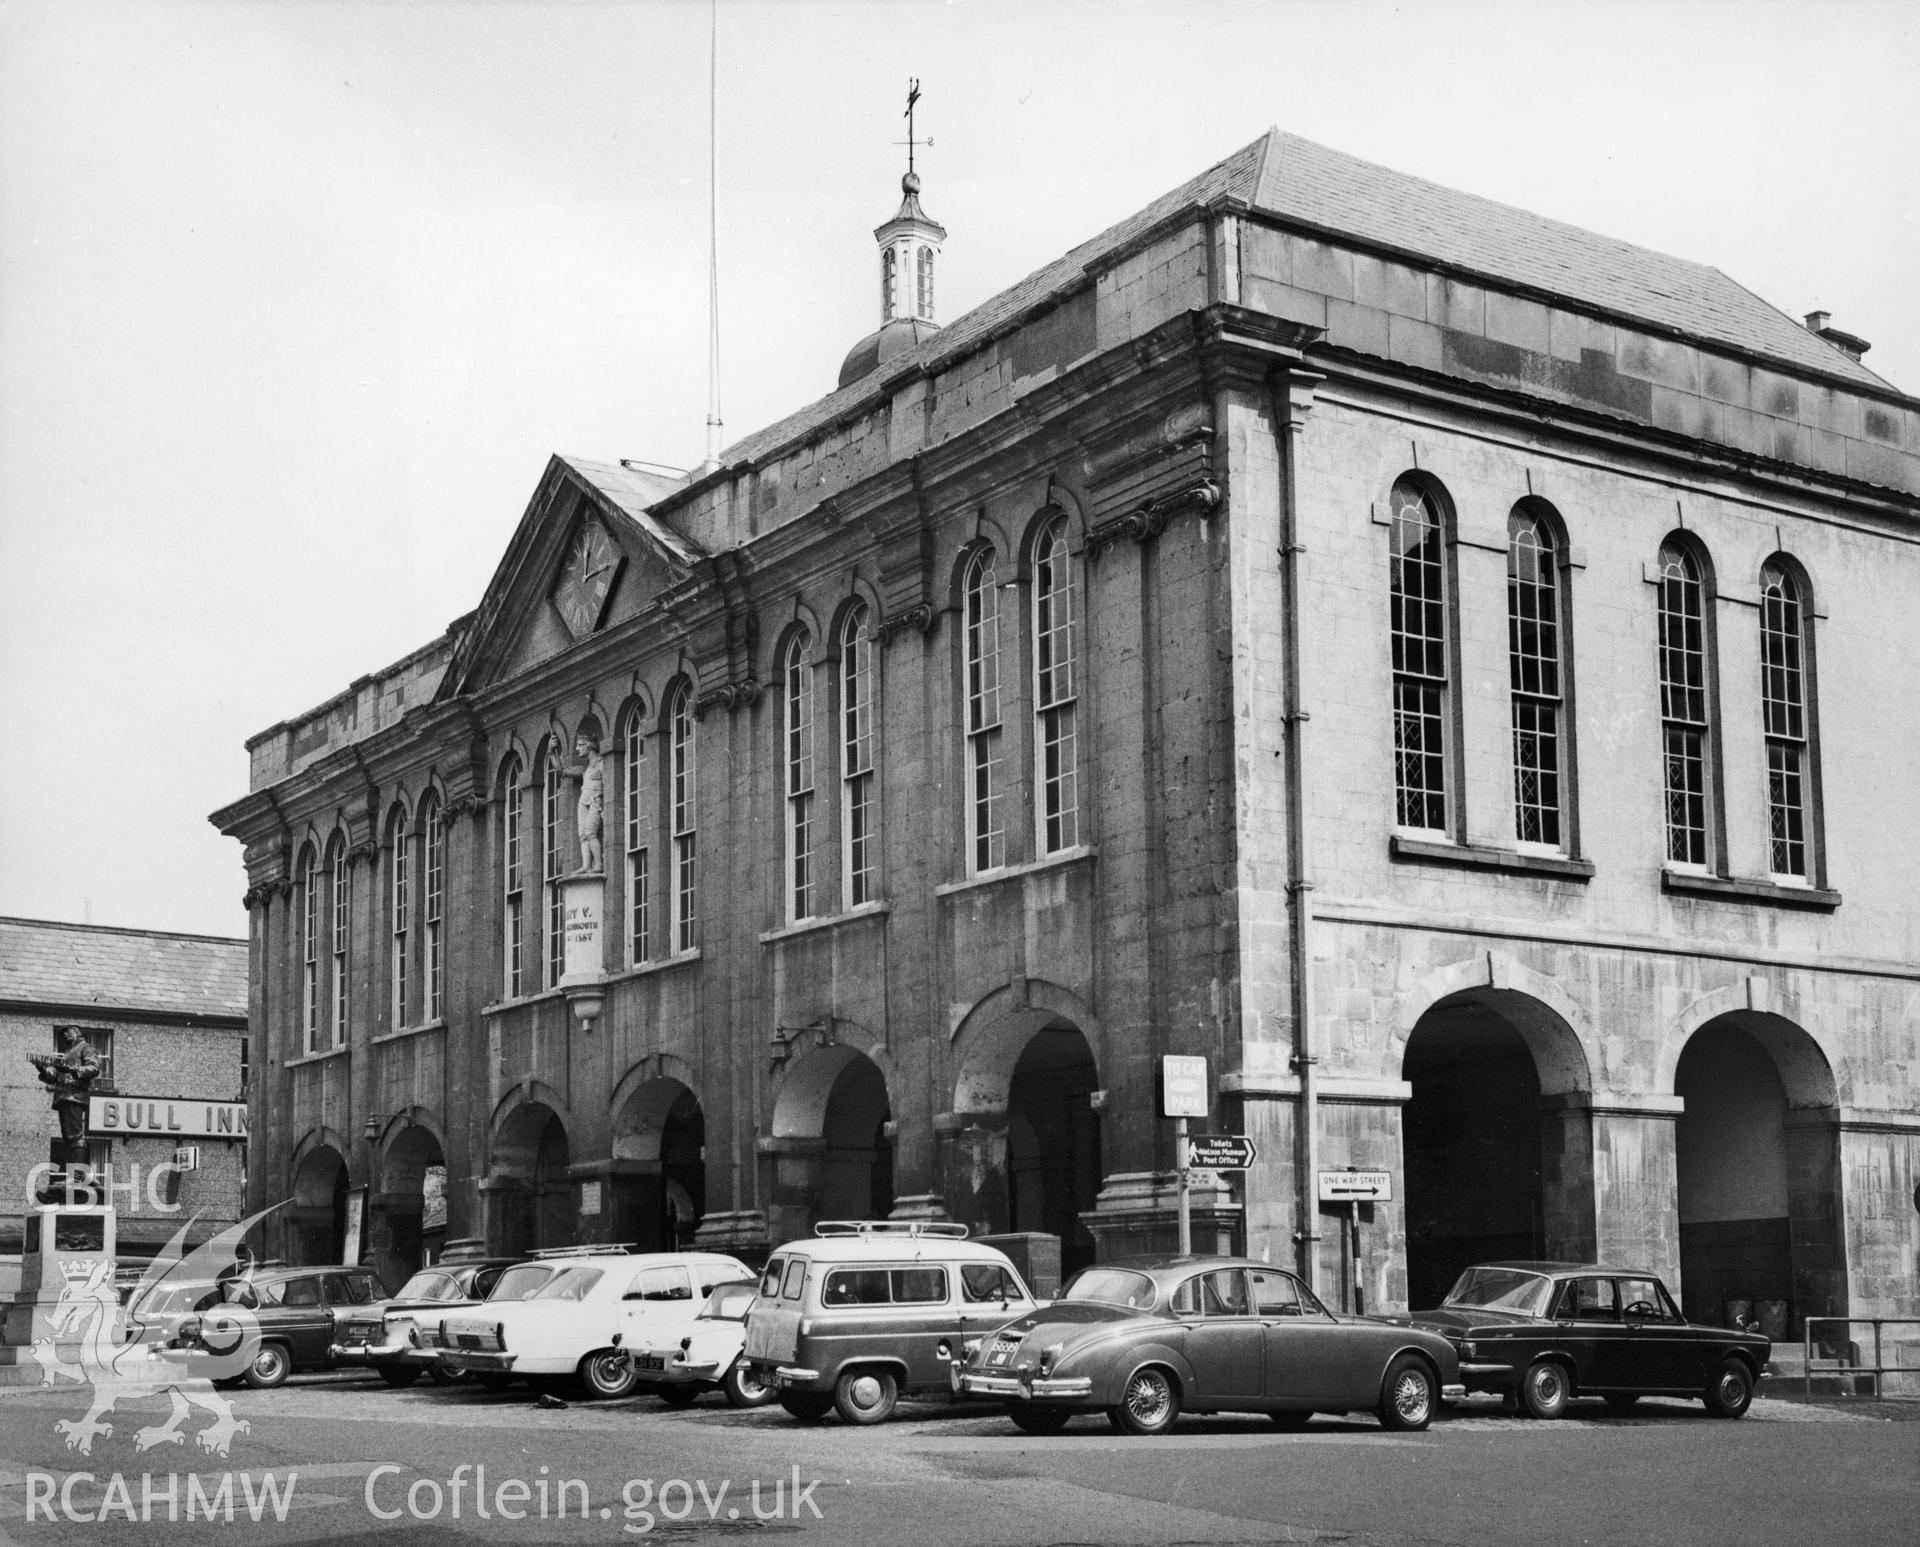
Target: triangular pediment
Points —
{"points": [[587, 555]]}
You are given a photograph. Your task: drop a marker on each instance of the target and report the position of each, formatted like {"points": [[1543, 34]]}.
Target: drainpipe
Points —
{"points": [[1293, 400]]}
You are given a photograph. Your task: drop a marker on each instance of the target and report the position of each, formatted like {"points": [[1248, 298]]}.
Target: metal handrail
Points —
{"points": [[1878, 1369]]}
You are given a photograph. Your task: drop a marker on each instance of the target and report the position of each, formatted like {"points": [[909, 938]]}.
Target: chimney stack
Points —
{"points": [[1850, 345]]}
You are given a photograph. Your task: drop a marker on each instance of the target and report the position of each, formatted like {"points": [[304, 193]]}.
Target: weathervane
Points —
{"points": [[913, 96]]}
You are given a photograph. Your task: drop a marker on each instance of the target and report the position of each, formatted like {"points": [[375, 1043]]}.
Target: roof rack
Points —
{"points": [[951, 1230], [591, 1249]]}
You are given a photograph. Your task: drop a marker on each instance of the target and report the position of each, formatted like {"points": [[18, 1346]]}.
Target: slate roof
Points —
{"points": [[1309, 185], [631, 491], [1312, 185], [122, 969]]}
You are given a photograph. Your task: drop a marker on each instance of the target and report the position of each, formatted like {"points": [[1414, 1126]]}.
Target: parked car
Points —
{"points": [[711, 1357], [1542, 1333], [295, 1309], [868, 1310], [573, 1326], [1144, 1341], [155, 1317], [384, 1336]]}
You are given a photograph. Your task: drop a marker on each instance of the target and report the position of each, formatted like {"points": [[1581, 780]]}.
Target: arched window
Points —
{"points": [[1417, 588], [400, 920], [889, 265], [986, 832], [309, 883], [513, 879], [1056, 689], [550, 862], [632, 768], [1534, 671], [1784, 699], [1685, 723], [925, 297], [433, 876], [859, 812], [797, 675], [684, 818], [339, 897]]}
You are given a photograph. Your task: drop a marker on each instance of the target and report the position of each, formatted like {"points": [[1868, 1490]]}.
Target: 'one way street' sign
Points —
{"points": [[1220, 1151]]}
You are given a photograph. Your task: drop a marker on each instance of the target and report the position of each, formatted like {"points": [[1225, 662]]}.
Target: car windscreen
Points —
{"points": [[429, 1286], [770, 1280], [568, 1284], [728, 1303], [1501, 1289], [1111, 1286]]}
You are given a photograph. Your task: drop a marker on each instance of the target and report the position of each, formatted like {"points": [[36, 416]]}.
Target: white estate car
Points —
{"points": [[711, 1356], [577, 1322]]}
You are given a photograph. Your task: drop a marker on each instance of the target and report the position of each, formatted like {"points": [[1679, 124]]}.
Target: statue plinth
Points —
{"points": [[61, 1242], [583, 902]]}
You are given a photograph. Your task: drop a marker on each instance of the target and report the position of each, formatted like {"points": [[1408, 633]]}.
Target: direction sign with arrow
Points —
{"points": [[1220, 1151]]}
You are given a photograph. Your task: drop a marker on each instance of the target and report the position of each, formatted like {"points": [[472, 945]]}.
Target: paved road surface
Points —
{"points": [[952, 1477]]}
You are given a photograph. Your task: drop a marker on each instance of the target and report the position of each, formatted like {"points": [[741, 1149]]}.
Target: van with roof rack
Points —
{"points": [[870, 1310]]}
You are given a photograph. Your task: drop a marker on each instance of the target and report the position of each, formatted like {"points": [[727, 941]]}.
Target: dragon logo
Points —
{"points": [[122, 1348]]}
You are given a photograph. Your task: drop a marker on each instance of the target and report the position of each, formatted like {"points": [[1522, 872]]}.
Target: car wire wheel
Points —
{"points": [[1407, 1395], [1545, 1390], [1730, 1392], [1149, 1404]]}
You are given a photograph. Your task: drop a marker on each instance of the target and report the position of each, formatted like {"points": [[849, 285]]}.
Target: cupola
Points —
{"points": [[909, 258]]}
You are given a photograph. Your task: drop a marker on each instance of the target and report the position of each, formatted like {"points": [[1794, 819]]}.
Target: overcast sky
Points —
{"points": [[296, 299]]}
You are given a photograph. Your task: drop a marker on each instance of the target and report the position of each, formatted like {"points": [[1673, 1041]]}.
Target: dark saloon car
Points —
{"points": [[295, 1309], [1142, 1341], [383, 1337], [1542, 1333]]}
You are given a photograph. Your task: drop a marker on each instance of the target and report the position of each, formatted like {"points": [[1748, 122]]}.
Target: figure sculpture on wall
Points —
{"points": [[70, 1073], [589, 767]]}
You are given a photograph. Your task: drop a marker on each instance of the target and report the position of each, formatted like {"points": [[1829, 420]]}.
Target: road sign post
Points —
{"points": [[1354, 1188], [1183, 1094]]}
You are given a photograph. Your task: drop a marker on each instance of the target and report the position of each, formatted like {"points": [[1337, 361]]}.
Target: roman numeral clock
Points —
{"points": [[586, 578]]}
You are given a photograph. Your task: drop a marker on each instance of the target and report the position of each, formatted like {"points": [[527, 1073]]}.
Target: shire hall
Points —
{"points": [[1437, 664]]}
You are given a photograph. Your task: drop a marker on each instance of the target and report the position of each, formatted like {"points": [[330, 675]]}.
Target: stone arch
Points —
{"points": [[316, 1222], [531, 1200], [1025, 1150], [407, 1216], [656, 1192], [992, 1035], [1759, 1180], [831, 1140], [1805, 1060], [1497, 1134], [1548, 1019], [987, 534]]}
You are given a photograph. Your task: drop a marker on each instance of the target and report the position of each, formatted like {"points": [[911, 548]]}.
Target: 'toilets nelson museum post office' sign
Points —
{"points": [[113, 1116]]}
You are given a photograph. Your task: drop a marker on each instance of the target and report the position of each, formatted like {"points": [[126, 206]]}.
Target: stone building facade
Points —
{"points": [[1431, 661], [167, 1016]]}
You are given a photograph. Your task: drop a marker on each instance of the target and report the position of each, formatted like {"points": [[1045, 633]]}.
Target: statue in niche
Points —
{"points": [[70, 1073], [589, 768]]}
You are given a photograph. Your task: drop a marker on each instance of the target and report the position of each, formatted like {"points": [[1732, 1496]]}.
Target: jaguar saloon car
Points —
{"points": [[710, 1357], [1147, 1340], [1542, 1333], [384, 1336], [573, 1327]]}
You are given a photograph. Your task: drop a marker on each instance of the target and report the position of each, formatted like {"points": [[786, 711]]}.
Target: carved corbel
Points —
{"points": [[919, 618]]}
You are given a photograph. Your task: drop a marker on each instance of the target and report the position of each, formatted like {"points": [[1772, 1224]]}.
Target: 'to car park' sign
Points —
{"points": [[1183, 1086]]}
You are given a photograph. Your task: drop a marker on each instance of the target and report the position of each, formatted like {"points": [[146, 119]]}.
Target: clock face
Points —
{"points": [[585, 578]]}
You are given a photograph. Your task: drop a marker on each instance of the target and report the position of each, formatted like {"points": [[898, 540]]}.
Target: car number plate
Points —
{"points": [[650, 1362], [999, 1356]]}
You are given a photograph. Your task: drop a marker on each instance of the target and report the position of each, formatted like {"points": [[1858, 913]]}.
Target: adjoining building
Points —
{"points": [[1438, 664], [167, 1121]]}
